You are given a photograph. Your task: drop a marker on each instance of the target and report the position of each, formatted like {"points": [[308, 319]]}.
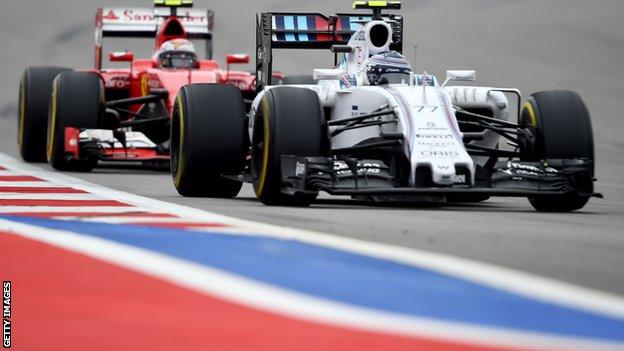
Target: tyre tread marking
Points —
{"points": [[181, 163], [265, 150], [52, 122], [532, 115]]}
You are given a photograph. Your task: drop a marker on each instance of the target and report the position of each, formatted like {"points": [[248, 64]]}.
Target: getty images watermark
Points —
{"points": [[6, 314]]}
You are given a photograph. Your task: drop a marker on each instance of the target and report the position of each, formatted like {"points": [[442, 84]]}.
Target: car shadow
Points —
{"points": [[487, 206], [131, 168]]}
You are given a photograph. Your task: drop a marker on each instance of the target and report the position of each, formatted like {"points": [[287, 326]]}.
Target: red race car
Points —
{"points": [[121, 114]]}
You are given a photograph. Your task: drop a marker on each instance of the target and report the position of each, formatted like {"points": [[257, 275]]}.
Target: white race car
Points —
{"points": [[372, 128]]}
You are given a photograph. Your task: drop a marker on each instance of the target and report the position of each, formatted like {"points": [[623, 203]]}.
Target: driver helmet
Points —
{"points": [[177, 53], [388, 67]]}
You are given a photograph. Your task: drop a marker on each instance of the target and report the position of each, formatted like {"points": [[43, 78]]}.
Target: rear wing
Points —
{"points": [[279, 30], [144, 23]]}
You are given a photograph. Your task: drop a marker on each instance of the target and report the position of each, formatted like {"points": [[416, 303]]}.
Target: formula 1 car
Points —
{"points": [[121, 114], [373, 129]]}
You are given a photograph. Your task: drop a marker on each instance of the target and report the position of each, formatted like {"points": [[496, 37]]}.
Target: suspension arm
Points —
{"points": [[360, 118]]}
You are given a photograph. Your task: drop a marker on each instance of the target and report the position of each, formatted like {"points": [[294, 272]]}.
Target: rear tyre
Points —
{"points": [[561, 128], [78, 102], [289, 121], [298, 80], [208, 140], [32, 123]]}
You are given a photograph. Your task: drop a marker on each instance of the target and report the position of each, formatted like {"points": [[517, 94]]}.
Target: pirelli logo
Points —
{"points": [[6, 314]]}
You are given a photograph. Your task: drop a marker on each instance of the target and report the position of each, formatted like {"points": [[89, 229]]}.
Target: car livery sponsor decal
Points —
{"points": [[146, 16], [118, 81]]}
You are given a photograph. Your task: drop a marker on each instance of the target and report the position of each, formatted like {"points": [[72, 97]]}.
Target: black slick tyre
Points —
{"points": [[77, 101], [289, 121], [208, 140], [561, 127], [32, 122]]}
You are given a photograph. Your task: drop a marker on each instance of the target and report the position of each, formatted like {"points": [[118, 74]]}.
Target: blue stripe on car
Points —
{"points": [[302, 24], [289, 24]]}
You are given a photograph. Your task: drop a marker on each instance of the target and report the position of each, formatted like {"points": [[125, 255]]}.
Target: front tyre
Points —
{"points": [[208, 140], [289, 121], [77, 101], [560, 125]]}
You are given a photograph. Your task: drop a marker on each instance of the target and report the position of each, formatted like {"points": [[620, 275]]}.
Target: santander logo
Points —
{"points": [[147, 16], [111, 16]]}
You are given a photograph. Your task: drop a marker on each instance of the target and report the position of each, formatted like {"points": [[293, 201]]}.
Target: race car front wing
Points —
{"points": [[109, 145], [309, 175]]}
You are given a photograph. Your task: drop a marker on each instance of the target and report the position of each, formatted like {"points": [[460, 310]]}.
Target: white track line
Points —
{"points": [[266, 297], [501, 278]]}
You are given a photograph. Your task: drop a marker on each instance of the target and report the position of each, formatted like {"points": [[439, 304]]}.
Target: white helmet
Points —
{"points": [[176, 53]]}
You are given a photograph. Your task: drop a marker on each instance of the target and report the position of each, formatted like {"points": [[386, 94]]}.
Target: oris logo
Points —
{"points": [[440, 153]]}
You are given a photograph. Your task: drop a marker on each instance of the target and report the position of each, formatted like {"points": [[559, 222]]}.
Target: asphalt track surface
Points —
{"points": [[532, 45]]}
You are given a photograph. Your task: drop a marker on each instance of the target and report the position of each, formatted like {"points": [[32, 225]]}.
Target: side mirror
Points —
{"points": [[329, 74], [121, 56], [233, 59], [460, 76]]}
